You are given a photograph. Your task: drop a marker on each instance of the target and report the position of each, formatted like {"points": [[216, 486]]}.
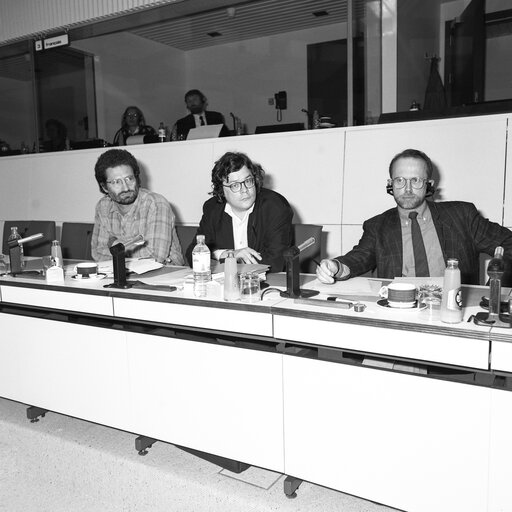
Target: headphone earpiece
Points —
{"points": [[389, 189]]}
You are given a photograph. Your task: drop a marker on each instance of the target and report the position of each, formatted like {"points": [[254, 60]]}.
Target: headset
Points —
{"points": [[429, 192]]}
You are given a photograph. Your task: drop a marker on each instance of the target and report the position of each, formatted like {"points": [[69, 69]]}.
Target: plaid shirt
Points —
{"points": [[150, 216]]}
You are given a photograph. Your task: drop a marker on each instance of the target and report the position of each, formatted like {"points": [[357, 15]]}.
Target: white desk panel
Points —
{"points": [[423, 346], [222, 400], [55, 299], [410, 442], [73, 369], [500, 451], [248, 322], [501, 355]]}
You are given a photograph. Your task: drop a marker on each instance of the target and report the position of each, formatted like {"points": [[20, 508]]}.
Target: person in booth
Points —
{"points": [[127, 210], [196, 103], [133, 123], [418, 236], [243, 216]]}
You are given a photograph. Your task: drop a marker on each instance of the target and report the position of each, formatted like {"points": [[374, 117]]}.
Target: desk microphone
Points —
{"points": [[291, 256], [15, 251]]}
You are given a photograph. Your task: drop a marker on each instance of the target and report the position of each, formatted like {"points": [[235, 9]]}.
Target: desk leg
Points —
{"points": [[142, 443], [33, 413], [291, 484]]}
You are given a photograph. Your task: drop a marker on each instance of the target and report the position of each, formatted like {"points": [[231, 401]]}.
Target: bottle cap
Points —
{"points": [[200, 238]]}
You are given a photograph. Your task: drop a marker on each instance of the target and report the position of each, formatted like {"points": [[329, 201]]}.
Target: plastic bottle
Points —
{"points": [[16, 236], [161, 132], [56, 253], [3, 265], [231, 285], [451, 304], [316, 120], [201, 267]]}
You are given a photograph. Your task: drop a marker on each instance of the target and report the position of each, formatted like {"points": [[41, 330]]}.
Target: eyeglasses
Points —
{"points": [[132, 114], [119, 181], [237, 185], [416, 182]]}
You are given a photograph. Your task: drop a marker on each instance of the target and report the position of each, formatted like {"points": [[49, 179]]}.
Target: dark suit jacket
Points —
{"points": [[186, 123], [463, 234], [269, 229]]}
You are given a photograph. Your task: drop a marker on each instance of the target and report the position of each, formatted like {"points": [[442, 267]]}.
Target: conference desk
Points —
{"points": [[326, 395]]}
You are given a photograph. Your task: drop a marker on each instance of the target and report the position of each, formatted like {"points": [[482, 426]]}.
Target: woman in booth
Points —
{"points": [[133, 123], [242, 216]]}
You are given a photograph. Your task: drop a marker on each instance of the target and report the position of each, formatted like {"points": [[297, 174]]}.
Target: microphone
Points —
{"points": [[307, 243], [30, 238]]}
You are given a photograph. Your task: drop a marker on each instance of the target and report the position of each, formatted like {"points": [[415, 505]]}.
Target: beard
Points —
{"points": [[125, 197]]}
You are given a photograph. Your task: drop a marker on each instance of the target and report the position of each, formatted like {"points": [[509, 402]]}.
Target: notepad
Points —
{"points": [[208, 131]]}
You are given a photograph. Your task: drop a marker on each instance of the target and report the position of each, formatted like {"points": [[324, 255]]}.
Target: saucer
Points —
{"points": [[92, 277], [407, 306]]}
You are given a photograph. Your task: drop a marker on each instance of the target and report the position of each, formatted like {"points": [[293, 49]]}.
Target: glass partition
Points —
{"points": [[264, 65]]}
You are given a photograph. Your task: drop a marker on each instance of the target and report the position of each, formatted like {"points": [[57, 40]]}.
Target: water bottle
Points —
{"points": [[3, 265], [231, 286], [316, 120], [451, 304], [161, 132], [16, 236], [201, 266], [56, 253]]}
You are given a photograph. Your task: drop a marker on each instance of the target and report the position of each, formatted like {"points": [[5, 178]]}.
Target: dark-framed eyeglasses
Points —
{"points": [[416, 182], [236, 186], [117, 182]]}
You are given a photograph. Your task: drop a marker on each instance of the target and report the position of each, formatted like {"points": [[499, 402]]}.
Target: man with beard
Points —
{"points": [[196, 104], [127, 210], [418, 236]]}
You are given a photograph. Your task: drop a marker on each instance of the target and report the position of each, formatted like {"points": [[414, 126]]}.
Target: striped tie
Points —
{"points": [[418, 247]]}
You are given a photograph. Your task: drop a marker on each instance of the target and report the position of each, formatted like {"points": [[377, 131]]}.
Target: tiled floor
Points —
{"points": [[63, 464]]}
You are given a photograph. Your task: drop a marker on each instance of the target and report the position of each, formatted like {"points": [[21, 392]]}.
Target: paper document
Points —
{"points": [[418, 281], [354, 286], [139, 266]]}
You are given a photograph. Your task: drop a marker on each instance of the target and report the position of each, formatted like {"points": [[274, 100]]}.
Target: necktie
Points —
{"points": [[202, 120], [418, 247]]}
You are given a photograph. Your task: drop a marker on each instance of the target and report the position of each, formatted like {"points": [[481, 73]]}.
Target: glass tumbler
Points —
{"points": [[250, 287]]}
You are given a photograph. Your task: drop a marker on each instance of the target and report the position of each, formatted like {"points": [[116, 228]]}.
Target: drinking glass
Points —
{"points": [[249, 287]]}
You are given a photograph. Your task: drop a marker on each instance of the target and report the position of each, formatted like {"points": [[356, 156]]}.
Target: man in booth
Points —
{"points": [[418, 236], [196, 103], [127, 210]]}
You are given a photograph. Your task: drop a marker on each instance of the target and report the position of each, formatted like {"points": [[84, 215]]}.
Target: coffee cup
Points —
{"points": [[399, 294], [86, 270]]}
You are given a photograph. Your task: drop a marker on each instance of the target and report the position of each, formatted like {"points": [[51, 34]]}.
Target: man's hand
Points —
{"points": [[329, 270], [246, 255]]}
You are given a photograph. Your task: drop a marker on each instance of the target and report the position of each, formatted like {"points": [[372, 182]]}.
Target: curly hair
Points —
{"points": [[413, 153], [114, 158], [233, 162]]}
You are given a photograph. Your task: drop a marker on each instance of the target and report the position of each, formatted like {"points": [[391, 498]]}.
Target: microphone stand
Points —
{"points": [[495, 269], [15, 254], [118, 252], [291, 256]]}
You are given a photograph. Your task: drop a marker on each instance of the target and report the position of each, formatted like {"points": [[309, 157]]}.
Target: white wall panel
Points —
{"points": [[469, 154], [306, 167], [507, 217]]}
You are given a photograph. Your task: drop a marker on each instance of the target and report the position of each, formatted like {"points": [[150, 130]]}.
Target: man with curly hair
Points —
{"points": [[244, 217]]}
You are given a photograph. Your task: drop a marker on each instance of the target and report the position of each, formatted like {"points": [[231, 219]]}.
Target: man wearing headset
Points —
{"points": [[452, 229], [196, 104]]}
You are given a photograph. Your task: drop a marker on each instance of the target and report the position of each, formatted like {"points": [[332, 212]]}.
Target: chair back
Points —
{"points": [[41, 247], [75, 240], [186, 234], [301, 232]]}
